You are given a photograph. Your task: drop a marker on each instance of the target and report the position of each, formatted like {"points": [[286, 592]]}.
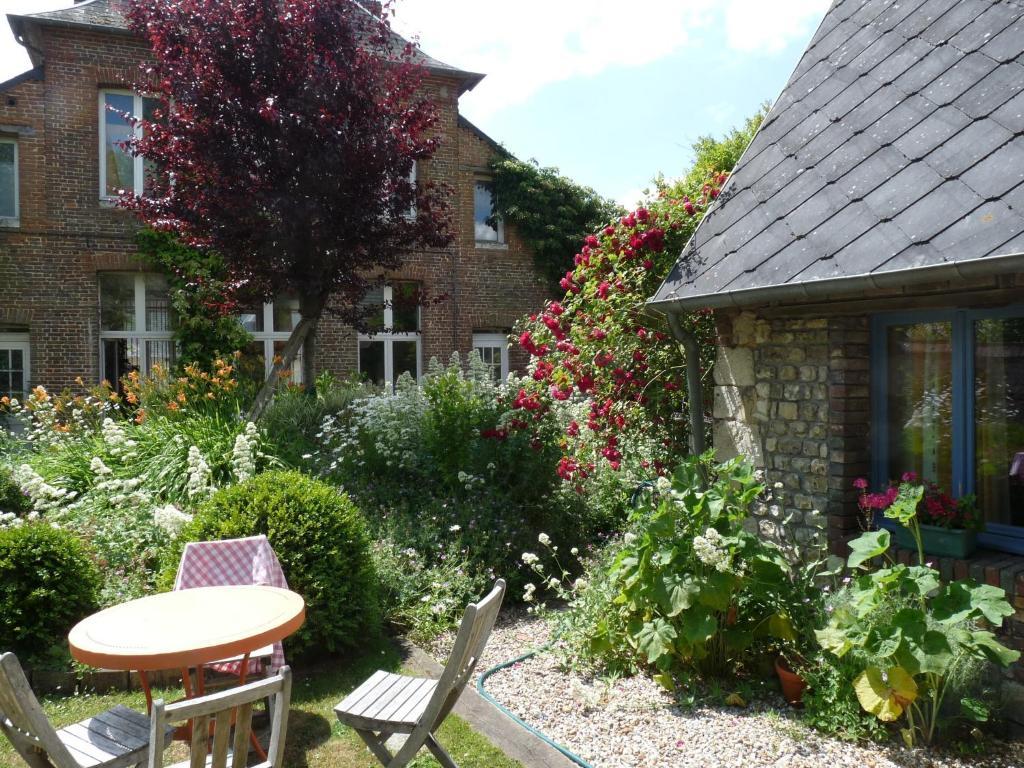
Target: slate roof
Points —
{"points": [[106, 14], [897, 145]]}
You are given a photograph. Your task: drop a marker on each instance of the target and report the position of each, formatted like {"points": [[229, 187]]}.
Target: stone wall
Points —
{"points": [[791, 395]]}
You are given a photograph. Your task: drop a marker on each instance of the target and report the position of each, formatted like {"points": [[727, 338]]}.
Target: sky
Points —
{"points": [[612, 92]]}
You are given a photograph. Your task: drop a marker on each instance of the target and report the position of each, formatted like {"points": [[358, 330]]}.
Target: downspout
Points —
{"points": [[694, 390]]}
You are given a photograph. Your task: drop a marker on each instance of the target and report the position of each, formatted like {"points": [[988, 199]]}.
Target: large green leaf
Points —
{"points": [[833, 639], [986, 644], [991, 601], [716, 591], [698, 626], [866, 546], [911, 622], [884, 641], [930, 653], [655, 639], [920, 580], [780, 625], [953, 604], [675, 593]]}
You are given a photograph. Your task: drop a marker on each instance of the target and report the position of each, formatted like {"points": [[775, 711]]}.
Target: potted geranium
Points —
{"points": [[947, 526]]}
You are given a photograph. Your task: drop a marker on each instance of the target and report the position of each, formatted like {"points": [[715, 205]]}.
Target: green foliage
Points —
{"points": [[47, 584], [295, 417], [692, 588], [205, 323], [913, 636], [830, 704], [322, 542], [551, 212], [12, 500]]}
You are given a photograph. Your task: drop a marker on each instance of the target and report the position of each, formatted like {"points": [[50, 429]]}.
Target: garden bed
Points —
{"points": [[634, 723]]}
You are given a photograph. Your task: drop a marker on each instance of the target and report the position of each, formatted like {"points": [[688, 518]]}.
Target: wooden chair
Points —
{"points": [[387, 704], [213, 717], [117, 738]]}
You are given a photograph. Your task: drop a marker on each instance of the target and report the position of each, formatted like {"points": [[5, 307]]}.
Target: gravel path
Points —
{"points": [[633, 723]]}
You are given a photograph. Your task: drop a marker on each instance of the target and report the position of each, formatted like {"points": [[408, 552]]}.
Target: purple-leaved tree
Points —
{"points": [[285, 139]]}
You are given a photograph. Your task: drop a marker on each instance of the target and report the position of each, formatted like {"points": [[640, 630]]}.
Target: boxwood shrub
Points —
{"points": [[47, 584], [321, 540]]}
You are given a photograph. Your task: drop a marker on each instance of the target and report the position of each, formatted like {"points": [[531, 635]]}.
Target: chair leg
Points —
{"points": [[439, 752], [375, 743]]}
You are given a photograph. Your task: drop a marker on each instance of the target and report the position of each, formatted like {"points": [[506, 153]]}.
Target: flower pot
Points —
{"points": [[944, 542], [793, 686]]}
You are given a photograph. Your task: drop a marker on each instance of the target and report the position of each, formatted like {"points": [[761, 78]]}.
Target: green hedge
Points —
{"points": [[47, 584], [321, 540]]}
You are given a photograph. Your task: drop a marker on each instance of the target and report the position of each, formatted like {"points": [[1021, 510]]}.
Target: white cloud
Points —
{"points": [[523, 46]]}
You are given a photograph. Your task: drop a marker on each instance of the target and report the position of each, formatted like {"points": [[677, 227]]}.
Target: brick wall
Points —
{"points": [[48, 264]]}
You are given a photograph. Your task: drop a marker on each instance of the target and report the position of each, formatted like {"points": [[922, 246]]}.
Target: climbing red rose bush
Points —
{"points": [[601, 345]]}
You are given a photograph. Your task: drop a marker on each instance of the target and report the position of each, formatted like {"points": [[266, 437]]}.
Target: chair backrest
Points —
{"points": [[474, 631], [222, 710], [24, 723]]}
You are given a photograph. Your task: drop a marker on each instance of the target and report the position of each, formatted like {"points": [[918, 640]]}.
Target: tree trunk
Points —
{"points": [[301, 338]]}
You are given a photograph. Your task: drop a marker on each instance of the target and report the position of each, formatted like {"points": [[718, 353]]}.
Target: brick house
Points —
{"points": [[865, 264], [75, 300]]}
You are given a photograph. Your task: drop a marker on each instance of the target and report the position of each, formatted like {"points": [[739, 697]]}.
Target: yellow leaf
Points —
{"points": [[665, 680], [735, 700], [885, 694]]}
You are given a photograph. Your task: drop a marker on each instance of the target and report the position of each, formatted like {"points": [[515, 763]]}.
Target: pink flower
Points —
{"points": [[909, 477], [602, 289], [860, 484]]}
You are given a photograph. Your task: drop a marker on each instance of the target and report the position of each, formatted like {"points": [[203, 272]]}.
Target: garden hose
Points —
{"points": [[504, 665]]}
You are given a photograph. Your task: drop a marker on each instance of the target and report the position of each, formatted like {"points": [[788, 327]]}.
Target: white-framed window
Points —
{"points": [[118, 168], [136, 324], [487, 228], [393, 346], [8, 182], [493, 350], [270, 325], [15, 365]]}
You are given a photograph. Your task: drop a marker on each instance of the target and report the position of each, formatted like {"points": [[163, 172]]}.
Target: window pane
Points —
{"points": [[119, 164], [405, 306], [405, 357], [492, 357], [120, 357], [5, 359], [372, 308], [117, 302], [286, 315], [17, 383], [999, 419], [920, 400], [252, 320], [253, 364], [160, 353], [158, 304], [483, 210], [8, 180], [371, 361]]}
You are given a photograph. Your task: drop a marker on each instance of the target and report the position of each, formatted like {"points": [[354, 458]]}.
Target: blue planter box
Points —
{"points": [[943, 542]]}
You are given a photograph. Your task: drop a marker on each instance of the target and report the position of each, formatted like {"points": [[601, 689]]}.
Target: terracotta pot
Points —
{"points": [[793, 686]]}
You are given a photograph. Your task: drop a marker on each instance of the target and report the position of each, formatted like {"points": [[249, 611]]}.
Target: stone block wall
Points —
{"points": [[791, 395]]}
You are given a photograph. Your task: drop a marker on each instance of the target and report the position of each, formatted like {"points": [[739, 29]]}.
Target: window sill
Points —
{"points": [[486, 245], [6, 223]]}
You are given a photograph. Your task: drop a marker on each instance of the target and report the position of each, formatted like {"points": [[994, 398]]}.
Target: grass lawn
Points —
{"points": [[315, 737]]}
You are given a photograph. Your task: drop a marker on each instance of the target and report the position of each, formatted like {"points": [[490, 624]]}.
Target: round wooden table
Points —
{"points": [[186, 628]]}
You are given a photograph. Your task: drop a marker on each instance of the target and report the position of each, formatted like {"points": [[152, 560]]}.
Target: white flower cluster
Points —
{"points": [[45, 497], [544, 539], [118, 442], [200, 479], [712, 550], [530, 559], [170, 519], [243, 455], [528, 592], [98, 467]]}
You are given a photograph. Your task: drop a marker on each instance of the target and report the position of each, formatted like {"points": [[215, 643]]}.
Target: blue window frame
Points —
{"points": [[933, 356]]}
